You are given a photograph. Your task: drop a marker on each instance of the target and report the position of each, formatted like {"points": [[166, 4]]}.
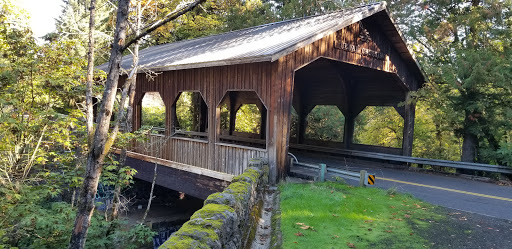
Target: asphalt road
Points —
{"points": [[444, 190]]}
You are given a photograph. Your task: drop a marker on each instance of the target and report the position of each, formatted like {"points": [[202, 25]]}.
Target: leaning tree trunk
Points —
{"points": [[128, 120], [97, 151]]}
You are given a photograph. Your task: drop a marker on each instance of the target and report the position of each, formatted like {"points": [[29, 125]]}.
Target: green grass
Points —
{"points": [[335, 215]]}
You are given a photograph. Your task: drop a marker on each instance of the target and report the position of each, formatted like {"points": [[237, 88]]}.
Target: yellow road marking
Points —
{"points": [[446, 189]]}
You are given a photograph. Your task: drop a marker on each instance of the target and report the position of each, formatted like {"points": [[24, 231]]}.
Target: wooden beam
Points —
{"points": [[180, 166]]}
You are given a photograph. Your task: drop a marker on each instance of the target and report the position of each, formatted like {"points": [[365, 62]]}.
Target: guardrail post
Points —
{"points": [[362, 178], [321, 175]]}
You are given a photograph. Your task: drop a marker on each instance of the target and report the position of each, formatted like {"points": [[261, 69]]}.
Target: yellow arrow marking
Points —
{"points": [[446, 189]]}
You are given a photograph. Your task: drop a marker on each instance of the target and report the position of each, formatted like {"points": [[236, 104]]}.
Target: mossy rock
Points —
{"points": [[183, 242], [255, 162], [205, 235], [241, 191], [221, 198], [251, 175]]}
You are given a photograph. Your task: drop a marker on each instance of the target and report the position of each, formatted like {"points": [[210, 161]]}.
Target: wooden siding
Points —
{"points": [[212, 83]]}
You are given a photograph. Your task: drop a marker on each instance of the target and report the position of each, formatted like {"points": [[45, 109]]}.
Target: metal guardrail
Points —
{"points": [[361, 176], [416, 160]]}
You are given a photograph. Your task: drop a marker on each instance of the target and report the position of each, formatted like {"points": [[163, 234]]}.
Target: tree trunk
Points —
{"points": [[469, 146], [89, 113], [129, 115], [97, 151]]}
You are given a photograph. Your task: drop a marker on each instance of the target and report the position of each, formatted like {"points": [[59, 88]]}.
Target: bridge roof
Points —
{"points": [[267, 42]]}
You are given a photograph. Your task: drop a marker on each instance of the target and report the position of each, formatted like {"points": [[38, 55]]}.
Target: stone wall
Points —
{"points": [[228, 219]]}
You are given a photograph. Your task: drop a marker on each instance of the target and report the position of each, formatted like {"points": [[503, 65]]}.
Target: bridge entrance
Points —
{"points": [[328, 97]]}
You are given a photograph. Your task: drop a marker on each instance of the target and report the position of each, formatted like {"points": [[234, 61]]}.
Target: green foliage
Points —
{"points": [[43, 142], [224, 117], [325, 123], [505, 152], [153, 111], [153, 116], [32, 220], [113, 174], [379, 125], [433, 135], [188, 111], [185, 111], [465, 47], [248, 119]]}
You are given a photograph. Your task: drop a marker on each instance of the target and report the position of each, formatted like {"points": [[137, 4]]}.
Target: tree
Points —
{"points": [[467, 53], [102, 142], [72, 25]]}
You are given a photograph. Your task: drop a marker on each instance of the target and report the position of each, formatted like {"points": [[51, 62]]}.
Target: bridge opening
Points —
{"points": [[191, 116], [324, 124], [153, 113], [242, 119], [338, 106], [379, 126]]}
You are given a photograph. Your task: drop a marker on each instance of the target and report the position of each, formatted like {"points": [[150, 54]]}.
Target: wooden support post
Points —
{"points": [[263, 125], [174, 120], [348, 135], [232, 112], [410, 110], [203, 118]]}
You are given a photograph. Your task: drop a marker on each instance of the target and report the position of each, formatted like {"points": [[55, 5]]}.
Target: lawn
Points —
{"points": [[336, 215]]}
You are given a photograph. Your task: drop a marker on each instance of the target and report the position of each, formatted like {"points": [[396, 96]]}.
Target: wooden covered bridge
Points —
{"points": [[350, 59]]}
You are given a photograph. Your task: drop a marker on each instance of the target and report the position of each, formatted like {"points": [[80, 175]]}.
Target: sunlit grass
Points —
{"points": [[334, 215]]}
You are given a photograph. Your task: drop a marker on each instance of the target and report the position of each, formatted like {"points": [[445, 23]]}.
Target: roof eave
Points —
{"points": [[255, 59]]}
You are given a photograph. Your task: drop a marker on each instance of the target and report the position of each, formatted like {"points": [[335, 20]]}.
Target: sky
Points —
{"points": [[42, 14]]}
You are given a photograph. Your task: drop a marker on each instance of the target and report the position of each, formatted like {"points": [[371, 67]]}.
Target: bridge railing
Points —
{"points": [[227, 158], [406, 159]]}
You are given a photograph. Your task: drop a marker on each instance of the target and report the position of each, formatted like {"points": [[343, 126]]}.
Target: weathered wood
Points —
{"points": [[180, 178], [316, 73]]}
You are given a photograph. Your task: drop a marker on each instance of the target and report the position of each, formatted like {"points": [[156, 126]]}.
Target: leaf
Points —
{"points": [[298, 234], [407, 216], [389, 231], [351, 245], [368, 221], [304, 227]]}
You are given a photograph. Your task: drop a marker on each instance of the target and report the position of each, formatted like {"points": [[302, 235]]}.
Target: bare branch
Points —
{"points": [[173, 15]]}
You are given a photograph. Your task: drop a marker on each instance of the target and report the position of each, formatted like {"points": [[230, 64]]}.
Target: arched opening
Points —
{"points": [[325, 123], [190, 115], [242, 119], [379, 126], [153, 113]]}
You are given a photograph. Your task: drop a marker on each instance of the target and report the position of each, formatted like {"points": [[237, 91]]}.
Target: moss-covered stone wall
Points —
{"points": [[229, 218]]}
